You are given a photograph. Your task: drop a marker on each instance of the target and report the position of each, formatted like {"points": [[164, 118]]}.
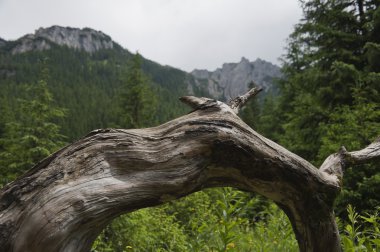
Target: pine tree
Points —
{"points": [[137, 99], [137, 103], [330, 93], [33, 134]]}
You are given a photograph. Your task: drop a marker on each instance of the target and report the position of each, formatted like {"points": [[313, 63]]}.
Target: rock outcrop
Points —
{"points": [[232, 79], [85, 39]]}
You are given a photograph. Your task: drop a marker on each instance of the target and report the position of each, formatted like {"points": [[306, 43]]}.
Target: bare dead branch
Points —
{"points": [[64, 202], [370, 153], [239, 102], [192, 101], [335, 164]]}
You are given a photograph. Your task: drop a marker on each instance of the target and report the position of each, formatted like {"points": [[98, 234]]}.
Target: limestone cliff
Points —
{"points": [[85, 39], [232, 79]]}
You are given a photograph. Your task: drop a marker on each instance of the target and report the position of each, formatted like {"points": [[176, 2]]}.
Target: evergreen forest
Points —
{"points": [[329, 97]]}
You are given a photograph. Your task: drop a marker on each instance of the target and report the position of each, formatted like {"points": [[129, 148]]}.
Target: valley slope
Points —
{"points": [[87, 69]]}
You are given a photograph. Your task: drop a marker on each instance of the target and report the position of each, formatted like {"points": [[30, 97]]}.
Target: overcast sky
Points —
{"points": [[186, 34]]}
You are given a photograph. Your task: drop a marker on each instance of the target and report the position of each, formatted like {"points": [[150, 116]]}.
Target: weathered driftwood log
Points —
{"points": [[64, 202]]}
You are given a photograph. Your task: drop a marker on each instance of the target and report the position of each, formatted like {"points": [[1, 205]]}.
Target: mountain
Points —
{"points": [[232, 79], [85, 39], [87, 69]]}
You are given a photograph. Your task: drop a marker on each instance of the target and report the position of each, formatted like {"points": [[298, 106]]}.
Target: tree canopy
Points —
{"points": [[330, 95], [32, 133]]}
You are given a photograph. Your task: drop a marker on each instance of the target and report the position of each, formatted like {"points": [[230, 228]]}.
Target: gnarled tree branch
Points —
{"points": [[370, 153], [64, 202], [335, 164], [239, 102]]}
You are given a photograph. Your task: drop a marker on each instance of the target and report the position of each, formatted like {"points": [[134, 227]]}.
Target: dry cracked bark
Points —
{"points": [[64, 202]]}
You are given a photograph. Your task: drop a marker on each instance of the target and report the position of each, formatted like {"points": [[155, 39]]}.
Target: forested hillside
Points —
{"points": [[329, 96], [87, 84]]}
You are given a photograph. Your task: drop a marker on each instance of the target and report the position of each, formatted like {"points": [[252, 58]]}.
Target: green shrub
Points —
{"points": [[362, 233]]}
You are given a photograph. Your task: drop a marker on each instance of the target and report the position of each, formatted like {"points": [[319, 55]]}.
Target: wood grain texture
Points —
{"points": [[64, 202]]}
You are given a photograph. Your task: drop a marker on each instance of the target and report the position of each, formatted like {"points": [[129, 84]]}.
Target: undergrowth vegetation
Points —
{"points": [[224, 219], [329, 97]]}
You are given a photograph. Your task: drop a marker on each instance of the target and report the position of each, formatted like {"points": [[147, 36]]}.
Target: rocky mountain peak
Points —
{"points": [[85, 39], [232, 79]]}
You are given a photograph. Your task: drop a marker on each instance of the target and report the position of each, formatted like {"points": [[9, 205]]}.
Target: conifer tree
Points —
{"points": [[137, 109], [330, 93], [33, 134], [137, 99]]}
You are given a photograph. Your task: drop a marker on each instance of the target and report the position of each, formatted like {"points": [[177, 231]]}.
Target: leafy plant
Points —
{"points": [[362, 232]]}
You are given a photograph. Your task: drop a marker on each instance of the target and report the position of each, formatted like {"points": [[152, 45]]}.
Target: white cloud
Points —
{"points": [[182, 33]]}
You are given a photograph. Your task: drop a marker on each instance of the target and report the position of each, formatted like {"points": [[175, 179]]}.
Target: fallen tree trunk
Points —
{"points": [[64, 202]]}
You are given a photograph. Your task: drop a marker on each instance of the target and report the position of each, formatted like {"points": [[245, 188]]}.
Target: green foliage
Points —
{"points": [[269, 119], [330, 94], [195, 214], [138, 101], [328, 98], [210, 220], [89, 85], [229, 205], [354, 127], [362, 232], [32, 134], [237, 230], [144, 230], [222, 229], [275, 234], [250, 112]]}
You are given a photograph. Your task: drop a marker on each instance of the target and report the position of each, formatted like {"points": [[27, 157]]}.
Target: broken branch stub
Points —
{"points": [[64, 202], [239, 102]]}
